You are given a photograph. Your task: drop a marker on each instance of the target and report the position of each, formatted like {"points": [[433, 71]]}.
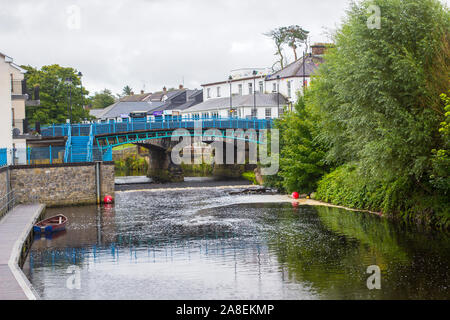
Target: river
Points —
{"points": [[205, 243]]}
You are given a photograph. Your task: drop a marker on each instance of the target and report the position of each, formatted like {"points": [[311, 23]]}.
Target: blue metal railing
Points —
{"points": [[68, 144], [3, 157], [84, 129], [90, 145]]}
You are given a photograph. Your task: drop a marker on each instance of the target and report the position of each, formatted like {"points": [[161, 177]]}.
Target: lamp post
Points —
{"points": [[81, 84], [278, 94], [230, 78], [304, 76], [254, 93], [69, 105]]}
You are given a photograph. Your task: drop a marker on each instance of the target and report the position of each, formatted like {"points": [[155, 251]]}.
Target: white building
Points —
{"points": [[6, 136], [288, 82], [268, 106], [13, 98]]}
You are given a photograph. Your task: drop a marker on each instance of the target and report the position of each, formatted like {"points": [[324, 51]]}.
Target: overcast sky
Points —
{"points": [[154, 43]]}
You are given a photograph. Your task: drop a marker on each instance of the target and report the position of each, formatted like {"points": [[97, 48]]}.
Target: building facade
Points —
{"points": [[260, 82], [14, 98]]}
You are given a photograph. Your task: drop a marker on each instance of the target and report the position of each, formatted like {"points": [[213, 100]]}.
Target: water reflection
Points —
{"points": [[199, 245]]}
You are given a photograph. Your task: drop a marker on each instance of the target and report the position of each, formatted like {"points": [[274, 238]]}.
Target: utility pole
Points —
{"points": [[230, 78], [69, 105], [254, 93]]}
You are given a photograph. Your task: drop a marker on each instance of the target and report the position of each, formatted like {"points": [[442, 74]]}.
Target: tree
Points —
{"points": [[301, 157], [292, 36], [377, 100], [279, 37], [56, 95], [127, 90], [377, 94], [295, 36], [102, 99]]}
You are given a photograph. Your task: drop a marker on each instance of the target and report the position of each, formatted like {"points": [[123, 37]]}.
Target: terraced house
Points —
{"points": [[14, 97], [258, 93]]}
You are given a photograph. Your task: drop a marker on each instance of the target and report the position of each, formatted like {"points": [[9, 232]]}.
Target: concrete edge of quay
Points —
{"points": [[17, 254]]}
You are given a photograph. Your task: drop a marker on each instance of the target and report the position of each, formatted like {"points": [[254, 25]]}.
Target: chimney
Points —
{"points": [[142, 91], [319, 49], [181, 86], [164, 89]]}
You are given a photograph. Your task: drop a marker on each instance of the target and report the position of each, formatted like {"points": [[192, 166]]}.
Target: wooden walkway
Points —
{"points": [[15, 229]]}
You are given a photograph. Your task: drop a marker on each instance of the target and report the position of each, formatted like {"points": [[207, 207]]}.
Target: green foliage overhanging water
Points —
{"points": [[372, 130]]}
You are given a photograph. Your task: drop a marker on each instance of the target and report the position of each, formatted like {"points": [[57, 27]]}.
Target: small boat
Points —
{"points": [[53, 224]]}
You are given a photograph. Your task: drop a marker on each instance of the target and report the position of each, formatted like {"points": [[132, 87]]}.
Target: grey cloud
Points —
{"points": [[155, 43]]}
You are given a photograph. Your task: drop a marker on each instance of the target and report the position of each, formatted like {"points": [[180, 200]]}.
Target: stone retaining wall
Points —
{"points": [[61, 184]]}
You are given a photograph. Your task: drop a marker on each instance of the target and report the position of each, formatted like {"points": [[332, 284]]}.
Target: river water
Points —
{"points": [[203, 243]]}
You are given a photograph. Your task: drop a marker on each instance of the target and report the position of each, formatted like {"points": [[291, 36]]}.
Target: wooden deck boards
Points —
{"points": [[13, 226]]}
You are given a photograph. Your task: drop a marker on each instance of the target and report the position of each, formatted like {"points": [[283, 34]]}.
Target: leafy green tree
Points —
{"points": [[377, 95], [56, 95], [279, 38], [301, 157], [440, 176], [295, 36], [377, 100], [292, 36], [126, 91], [102, 99]]}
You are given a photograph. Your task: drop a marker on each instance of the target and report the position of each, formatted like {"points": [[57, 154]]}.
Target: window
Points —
{"points": [[218, 92], [215, 114], [250, 88], [240, 89], [274, 87], [261, 87], [254, 113], [208, 93], [268, 112], [289, 89], [205, 115]]}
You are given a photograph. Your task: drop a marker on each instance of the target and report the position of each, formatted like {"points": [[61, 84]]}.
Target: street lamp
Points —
{"points": [[68, 81], [278, 93], [230, 78], [254, 92], [81, 84], [304, 71]]}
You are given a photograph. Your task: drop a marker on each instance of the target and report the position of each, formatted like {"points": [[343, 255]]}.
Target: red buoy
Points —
{"points": [[295, 195], [108, 199]]}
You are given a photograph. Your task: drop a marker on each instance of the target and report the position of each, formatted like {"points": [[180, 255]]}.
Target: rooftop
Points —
{"points": [[299, 68], [262, 100]]}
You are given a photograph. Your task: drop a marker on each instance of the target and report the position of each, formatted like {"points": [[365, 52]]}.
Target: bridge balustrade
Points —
{"points": [[130, 126]]}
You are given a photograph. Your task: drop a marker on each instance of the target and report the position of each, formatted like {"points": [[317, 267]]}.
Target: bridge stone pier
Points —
{"points": [[161, 168], [235, 164]]}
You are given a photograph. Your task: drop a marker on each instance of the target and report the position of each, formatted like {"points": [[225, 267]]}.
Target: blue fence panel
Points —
{"points": [[3, 157]]}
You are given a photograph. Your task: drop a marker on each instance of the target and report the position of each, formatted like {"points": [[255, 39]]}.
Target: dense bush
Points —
{"points": [[346, 186], [301, 158], [375, 111], [131, 165]]}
